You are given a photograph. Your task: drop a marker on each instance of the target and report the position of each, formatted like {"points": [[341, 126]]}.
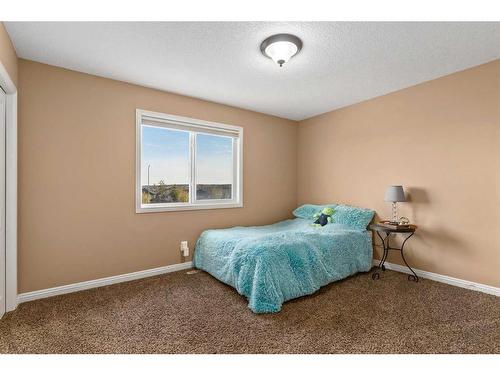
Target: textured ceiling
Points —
{"points": [[340, 63]]}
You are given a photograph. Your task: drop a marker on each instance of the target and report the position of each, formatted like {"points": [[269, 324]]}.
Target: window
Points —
{"points": [[186, 164]]}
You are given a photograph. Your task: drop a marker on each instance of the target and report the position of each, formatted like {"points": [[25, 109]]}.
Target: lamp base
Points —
{"points": [[394, 212]]}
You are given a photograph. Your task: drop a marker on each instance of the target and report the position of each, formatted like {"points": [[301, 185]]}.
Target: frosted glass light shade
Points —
{"points": [[281, 52], [395, 193]]}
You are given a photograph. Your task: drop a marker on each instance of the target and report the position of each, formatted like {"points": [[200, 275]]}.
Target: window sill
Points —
{"points": [[187, 207]]}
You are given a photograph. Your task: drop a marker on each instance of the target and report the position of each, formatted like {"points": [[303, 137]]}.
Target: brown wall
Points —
{"points": [[441, 140], [77, 217], [8, 55]]}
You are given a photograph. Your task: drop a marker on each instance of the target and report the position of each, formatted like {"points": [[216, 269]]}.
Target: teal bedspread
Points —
{"points": [[275, 263]]}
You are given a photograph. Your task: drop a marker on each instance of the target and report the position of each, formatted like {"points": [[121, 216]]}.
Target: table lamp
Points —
{"points": [[394, 194]]}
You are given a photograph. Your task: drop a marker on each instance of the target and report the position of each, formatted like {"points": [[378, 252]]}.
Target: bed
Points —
{"points": [[275, 263]]}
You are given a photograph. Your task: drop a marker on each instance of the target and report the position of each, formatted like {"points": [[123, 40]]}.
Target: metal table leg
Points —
{"points": [[386, 245], [376, 275], [414, 276]]}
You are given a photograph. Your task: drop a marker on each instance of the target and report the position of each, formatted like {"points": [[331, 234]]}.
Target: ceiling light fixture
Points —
{"points": [[281, 47]]}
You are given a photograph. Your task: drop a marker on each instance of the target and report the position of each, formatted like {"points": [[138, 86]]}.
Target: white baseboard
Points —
{"points": [[442, 278], [71, 288]]}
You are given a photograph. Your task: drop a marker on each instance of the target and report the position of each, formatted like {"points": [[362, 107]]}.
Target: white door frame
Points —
{"points": [[2, 203], [10, 188]]}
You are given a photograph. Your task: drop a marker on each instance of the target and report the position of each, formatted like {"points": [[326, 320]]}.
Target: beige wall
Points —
{"points": [[8, 55], [77, 217], [77, 141], [441, 140]]}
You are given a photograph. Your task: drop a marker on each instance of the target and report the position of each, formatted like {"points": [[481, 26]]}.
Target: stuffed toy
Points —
{"points": [[324, 217]]}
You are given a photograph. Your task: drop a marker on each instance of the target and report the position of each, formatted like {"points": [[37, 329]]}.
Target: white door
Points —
{"points": [[2, 202]]}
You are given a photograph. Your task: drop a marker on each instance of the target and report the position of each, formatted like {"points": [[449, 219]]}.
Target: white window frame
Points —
{"points": [[193, 125]]}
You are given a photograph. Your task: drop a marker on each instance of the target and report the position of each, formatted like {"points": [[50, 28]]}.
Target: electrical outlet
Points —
{"points": [[184, 248]]}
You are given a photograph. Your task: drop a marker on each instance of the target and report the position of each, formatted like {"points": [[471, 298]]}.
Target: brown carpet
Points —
{"points": [[181, 313]]}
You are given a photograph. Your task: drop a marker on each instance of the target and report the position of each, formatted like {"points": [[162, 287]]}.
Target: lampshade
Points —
{"points": [[395, 193], [281, 52]]}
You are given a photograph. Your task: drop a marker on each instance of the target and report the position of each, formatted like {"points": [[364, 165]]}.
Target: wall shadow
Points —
{"points": [[419, 198]]}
